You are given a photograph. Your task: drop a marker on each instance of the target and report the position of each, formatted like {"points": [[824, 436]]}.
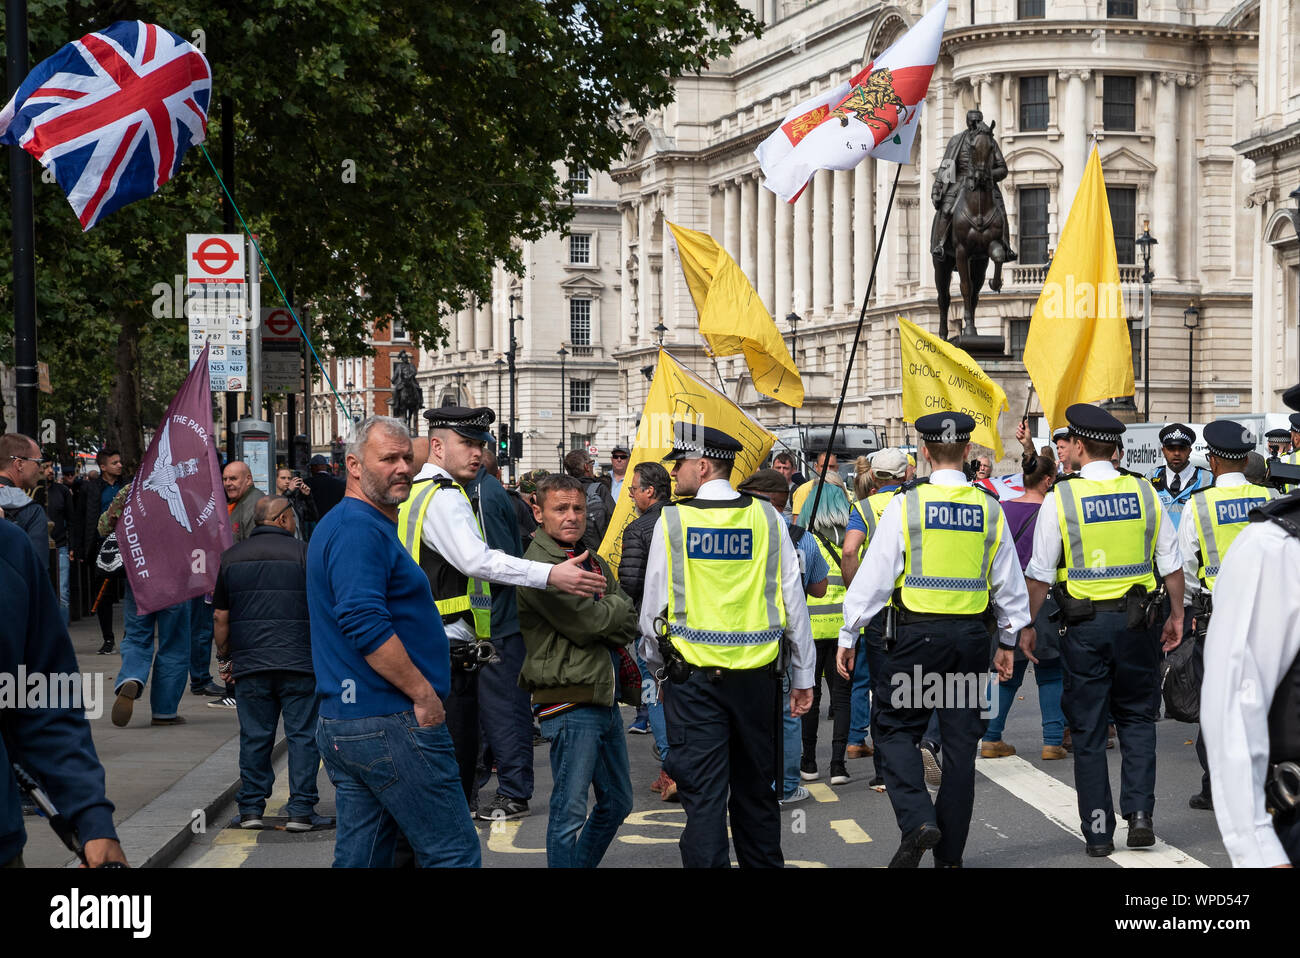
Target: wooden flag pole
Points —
{"points": [[857, 336]]}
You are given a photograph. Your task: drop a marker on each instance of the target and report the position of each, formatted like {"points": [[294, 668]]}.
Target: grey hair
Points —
{"points": [[388, 424]]}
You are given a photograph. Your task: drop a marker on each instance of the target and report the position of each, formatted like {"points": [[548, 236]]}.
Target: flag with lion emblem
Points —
{"points": [[875, 114]]}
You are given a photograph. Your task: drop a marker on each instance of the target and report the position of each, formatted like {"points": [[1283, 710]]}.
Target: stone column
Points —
{"points": [[990, 86], [1074, 158], [731, 220], [644, 293], [801, 283], [766, 222], [1164, 193], [483, 326], [468, 330], [1189, 186], [748, 227], [821, 278], [842, 232], [864, 227], [784, 214], [884, 270]]}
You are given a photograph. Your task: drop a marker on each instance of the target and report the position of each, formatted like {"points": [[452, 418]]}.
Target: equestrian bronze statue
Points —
{"points": [[970, 228], [408, 398]]}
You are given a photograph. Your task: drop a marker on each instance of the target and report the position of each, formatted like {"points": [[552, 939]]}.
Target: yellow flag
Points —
{"points": [[732, 318], [1078, 349], [939, 377], [678, 395]]}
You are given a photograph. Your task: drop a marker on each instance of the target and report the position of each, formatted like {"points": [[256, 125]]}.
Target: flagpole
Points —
{"points": [[24, 236], [862, 318], [1028, 399]]}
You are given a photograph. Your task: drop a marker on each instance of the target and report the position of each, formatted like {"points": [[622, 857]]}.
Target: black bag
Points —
{"points": [[1180, 681]]}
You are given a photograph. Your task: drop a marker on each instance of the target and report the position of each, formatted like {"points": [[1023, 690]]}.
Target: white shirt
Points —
{"points": [[798, 627], [883, 564], [1187, 544], [616, 487], [451, 529], [1047, 534], [1253, 639]]}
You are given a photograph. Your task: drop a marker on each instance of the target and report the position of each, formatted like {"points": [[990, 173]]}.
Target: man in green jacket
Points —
{"points": [[577, 670]]}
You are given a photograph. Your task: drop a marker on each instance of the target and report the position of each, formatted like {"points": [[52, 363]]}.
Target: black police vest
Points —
{"points": [[445, 580], [1284, 713]]}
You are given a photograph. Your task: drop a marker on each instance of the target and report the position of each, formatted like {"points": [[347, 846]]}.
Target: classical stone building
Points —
{"points": [[1166, 88], [1272, 155]]}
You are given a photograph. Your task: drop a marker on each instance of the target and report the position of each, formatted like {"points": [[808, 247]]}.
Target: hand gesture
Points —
{"points": [[569, 576]]}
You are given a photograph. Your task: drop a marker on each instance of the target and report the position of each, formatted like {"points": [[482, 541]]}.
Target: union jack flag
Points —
{"points": [[112, 114]]}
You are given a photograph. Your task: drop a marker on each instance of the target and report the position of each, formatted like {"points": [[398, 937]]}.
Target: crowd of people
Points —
{"points": [[420, 628]]}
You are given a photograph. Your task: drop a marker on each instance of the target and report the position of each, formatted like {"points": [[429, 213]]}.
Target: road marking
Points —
{"points": [[646, 840], [1060, 804], [795, 864], [850, 831], [501, 839], [647, 817], [822, 792]]}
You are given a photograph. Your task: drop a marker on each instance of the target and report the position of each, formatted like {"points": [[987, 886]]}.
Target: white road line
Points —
{"points": [[1060, 804]]}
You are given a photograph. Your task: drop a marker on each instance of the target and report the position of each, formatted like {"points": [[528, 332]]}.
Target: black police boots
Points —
{"points": [[1141, 833], [914, 845]]}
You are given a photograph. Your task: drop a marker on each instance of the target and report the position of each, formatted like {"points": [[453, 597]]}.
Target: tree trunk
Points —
{"points": [[124, 428]]}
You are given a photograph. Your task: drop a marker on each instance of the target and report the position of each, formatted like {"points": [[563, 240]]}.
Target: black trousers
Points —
{"points": [[841, 705], [1110, 668], [950, 658], [1288, 833], [722, 732], [872, 645]]}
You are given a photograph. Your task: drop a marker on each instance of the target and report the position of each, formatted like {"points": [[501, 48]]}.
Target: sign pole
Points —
{"points": [[255, 331]]}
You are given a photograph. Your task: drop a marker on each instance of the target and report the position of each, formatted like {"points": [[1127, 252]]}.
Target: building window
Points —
{"points": [[1019, 335], [1034, 108], [1033, 224], [398, 331], [579, 181], [580, 249], [1031, 9], [1119, 96], [580, 322], [580, 395], [580, 440], [1123, 217], [1126, 9]]}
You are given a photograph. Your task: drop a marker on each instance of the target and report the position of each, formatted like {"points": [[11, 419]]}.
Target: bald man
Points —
{"points": [[241, 497]]}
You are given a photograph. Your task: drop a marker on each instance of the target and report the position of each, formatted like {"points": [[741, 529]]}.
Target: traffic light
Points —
{"points": [[516, 446], [503, 446]]}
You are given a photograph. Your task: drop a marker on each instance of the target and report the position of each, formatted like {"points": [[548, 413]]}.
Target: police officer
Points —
{"points": [[1097, 535], [438, 527], [722, 592], [1279, 442], [942, 552], [1177, 479], [1215, 517], [1292, 458], [1250, 697]]}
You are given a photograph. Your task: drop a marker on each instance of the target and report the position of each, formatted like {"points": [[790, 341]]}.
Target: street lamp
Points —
{"points": [[659, 332], [510, 360], [1191, 315], [350, 390], [500, 364], [1146, 241], [793, 320], [564, 405]]}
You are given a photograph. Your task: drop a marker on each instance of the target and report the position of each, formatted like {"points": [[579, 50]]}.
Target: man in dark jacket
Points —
{"points": [[20, 470], [52, 743], [326, 488], [96, 496], [262, 632], [59, 510], [574, 670], [600, 504]]}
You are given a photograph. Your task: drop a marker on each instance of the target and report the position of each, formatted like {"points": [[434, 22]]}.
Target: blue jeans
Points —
{"points": [[63, 585], [791, 741], [390, 773], [505, 714], [200, 643], [654, 708], [263, 697], [860, 698], [588, 750], [1050, 678], [169, 664]]}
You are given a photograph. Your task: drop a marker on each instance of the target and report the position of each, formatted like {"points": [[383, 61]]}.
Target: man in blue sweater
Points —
{"points": [[52, 743], [383, 668]]}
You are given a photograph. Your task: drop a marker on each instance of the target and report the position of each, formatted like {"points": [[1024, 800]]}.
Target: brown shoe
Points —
{"points": [[1054, 751], [998, 749], [669, 793], [1110, 736], [125, 701], [658, 785], [859, 751], [174, 720], [1067, 742]]}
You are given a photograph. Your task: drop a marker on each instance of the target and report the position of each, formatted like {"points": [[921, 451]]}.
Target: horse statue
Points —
{"points": [[408, 398], [970, 228]]}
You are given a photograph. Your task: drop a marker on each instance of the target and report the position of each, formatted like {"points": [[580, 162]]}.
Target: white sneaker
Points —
{"points": [[798, 795], [933, 773], [225, 702]]}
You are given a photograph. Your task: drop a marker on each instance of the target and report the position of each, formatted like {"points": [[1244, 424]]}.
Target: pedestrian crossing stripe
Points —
{"points": [[822, 792], [850, 831]]}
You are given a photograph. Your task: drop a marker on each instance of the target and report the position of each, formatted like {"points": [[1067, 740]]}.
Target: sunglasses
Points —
{"points": [[39, 462], [618, 457]]}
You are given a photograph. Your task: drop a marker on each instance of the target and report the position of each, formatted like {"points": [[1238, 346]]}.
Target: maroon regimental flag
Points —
{"points": [[175, 525]]}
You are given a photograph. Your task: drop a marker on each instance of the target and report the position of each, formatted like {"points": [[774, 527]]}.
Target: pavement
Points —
{"points": [[163, 781], [173, 789], [1026, 816]]}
